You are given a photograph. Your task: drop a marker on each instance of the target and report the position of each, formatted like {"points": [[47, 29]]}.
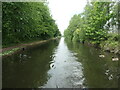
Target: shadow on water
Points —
{"points": [[60, 65], [28, 69]]}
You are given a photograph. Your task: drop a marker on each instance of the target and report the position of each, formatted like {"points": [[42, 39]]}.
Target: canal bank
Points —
{"points": [[106, 46], [14, 49]]}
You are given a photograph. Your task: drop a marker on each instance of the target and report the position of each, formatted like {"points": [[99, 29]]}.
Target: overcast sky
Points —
{"points": [[63, 10]]}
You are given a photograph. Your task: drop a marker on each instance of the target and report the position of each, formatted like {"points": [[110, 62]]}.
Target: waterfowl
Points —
{"points": [[115, 59], [101, 55], [110, 77], [107, 72], [23, 48], [20, 55], [52, 65]]}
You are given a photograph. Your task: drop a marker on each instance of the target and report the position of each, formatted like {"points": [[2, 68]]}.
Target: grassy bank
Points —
{"points": [[111, 44], [9, 52], [13, 49]]}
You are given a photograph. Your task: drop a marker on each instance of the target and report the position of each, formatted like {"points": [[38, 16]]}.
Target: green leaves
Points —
{"points": [[92, 22], [23, 21]]}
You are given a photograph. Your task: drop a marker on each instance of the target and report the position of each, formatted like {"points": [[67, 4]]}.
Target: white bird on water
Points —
{"points": [[52, 65], [102, 56], [115, 59]]}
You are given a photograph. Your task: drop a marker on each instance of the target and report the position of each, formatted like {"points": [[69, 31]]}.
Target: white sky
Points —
{"points": [[63, 10]]}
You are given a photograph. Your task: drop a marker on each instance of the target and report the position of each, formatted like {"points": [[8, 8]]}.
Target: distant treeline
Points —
{"points": [[26, 21]]}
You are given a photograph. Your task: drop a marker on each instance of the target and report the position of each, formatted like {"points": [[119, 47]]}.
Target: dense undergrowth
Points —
{"points": [[111, 44]]}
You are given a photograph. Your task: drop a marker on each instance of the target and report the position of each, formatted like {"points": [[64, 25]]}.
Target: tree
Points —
{"points": [[23, 21]]}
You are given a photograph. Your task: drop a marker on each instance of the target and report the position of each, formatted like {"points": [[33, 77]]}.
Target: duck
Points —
{"points": [[110, 77], [52, 65], [23, 48], [102, 56], [115, 59]]}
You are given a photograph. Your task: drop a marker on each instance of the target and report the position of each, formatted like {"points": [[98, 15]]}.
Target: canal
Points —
{"points": [[60, 64]]}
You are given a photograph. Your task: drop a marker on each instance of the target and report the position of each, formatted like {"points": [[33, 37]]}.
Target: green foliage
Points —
{"points": [[23, 21], [114, 36], [111, 44], [91, 24], [76, 35], [9, 52], [73, 25]]}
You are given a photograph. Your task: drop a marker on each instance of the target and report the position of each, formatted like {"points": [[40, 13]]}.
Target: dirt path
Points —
{"points": [[25, 45]]}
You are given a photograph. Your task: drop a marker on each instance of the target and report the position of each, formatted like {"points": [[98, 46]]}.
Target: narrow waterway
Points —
{"points": [[60, 64]]}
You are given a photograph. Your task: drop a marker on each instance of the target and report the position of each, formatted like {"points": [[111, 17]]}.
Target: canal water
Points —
{"points": [[60, 64]]}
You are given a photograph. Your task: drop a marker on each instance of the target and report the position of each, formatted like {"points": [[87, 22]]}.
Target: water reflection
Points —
{"points": [[65, 71], [28, 69], [60, 65], [98, 72]]}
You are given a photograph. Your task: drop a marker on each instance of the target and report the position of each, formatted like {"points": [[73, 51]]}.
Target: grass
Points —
{"points": [[112, 44], [9, 52]]}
